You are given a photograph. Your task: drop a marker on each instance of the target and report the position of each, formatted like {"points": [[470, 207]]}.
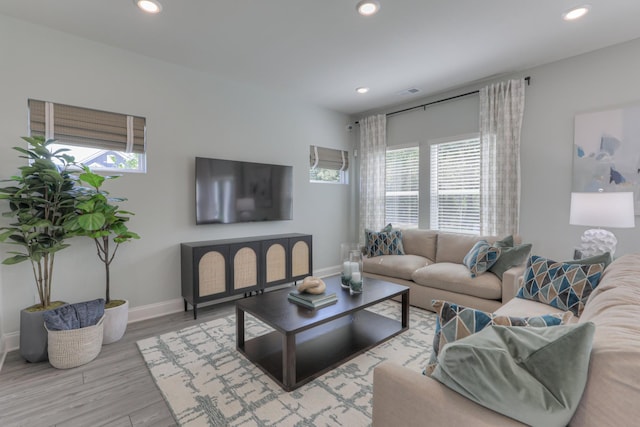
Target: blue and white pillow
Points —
{"points": [[481, 257], [384, 243]]}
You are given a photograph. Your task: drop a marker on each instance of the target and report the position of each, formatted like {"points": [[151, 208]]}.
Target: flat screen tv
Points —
{"points": [[229, 191]]}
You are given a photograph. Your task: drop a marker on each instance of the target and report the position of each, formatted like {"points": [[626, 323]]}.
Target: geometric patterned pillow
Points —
{"points": [[384, 243], [481, 257], [455, 322], [559, 284]]}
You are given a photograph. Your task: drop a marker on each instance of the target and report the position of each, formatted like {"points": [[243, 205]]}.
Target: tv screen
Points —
{"points": [[229, 191]]}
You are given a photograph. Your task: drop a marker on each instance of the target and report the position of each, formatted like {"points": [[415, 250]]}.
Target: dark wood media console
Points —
{"points": [[220, 268]]}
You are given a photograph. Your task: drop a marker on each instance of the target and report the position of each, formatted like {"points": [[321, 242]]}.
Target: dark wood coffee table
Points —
{"points": [[307, 343]]}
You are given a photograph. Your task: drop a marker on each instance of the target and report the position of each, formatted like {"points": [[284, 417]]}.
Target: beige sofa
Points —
{"points": [[432, 267], [403, 397]]}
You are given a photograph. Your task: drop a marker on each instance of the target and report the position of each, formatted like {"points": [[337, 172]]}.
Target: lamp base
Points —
{"points": [[598, 241]]}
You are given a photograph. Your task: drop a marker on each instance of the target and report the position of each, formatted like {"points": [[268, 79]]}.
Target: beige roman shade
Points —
{"points": [[87, 128], [328, 158]]}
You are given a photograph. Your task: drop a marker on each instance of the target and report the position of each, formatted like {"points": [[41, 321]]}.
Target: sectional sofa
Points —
{"points": [[404, 397], [432, 267]]}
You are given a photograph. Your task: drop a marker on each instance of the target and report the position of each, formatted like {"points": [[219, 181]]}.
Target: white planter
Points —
{"points": [[115, 323]]}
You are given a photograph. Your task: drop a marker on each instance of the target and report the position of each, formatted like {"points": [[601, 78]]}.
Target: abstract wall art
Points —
{"points": [[607, 151]]}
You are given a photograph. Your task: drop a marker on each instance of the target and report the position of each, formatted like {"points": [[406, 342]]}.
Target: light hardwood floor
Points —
{"points": [[114, 390]]}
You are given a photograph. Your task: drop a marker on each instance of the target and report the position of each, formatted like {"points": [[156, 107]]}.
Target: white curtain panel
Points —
{"points": [[501, 112], [373, 148]]}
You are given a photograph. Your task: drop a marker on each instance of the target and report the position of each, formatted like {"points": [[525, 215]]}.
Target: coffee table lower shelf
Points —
{"points": [[321, 348]]}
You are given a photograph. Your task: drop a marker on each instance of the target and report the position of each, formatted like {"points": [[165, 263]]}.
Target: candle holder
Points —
{"points": [[348, 266], [355, 287]]}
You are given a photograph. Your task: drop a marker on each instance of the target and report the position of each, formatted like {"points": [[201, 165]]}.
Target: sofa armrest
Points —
{"points": [[403, 397], [511, 282]]}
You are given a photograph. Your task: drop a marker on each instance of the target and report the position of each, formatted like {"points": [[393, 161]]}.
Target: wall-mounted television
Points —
{"points": [[229, 191]]}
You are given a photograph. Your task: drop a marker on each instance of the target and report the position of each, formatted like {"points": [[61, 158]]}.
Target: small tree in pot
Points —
{"points": [[99, 218], [40, 202]]}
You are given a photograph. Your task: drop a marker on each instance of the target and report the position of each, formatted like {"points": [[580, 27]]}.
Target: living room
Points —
{"points": [[193, 113]]}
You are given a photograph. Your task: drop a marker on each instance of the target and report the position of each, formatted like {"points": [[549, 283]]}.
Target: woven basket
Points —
{"points": [[75, 347]]}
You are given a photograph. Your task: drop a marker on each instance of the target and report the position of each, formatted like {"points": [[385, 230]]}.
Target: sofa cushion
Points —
{"points": [[455, 278], [510, 257], [523, 373], [400, 266], [384, 243], [455, 322], [452, 247], [611, 396], [481, 257], [420, 242], [562, 285]]}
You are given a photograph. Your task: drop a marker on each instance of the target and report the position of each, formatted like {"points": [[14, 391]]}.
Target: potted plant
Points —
{"points": [[99, 218], [40, 201]]}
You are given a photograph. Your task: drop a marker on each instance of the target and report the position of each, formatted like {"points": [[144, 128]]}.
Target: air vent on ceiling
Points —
{"points": [[410, 91]]}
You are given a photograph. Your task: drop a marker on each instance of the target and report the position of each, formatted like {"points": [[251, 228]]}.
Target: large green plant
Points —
{"points": [[40, 202], [100, 219]]}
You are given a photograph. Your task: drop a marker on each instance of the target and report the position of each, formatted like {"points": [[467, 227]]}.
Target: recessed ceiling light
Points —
{"points": [[362, 89], [368, 7], [576, 13], [149, 6]]}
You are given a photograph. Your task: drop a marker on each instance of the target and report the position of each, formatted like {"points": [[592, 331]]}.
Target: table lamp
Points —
{"points": [[601, 209]]}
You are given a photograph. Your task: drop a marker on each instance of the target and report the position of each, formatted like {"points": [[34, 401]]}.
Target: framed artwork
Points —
{"points": [[607, 151]]}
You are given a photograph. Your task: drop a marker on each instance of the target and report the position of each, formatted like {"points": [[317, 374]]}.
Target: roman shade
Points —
{"points": [[328, 158], [87, 127]]}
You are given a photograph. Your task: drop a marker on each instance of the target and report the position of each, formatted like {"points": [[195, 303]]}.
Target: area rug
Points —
{"points": [[207, 382]]}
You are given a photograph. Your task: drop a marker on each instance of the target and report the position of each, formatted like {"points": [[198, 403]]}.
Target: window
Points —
{"points": [[401, 188], [101, 140], [455, 185], [328, 165]]}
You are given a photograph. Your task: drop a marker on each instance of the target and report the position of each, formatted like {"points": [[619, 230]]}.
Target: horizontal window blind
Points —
{"points": [[87, 128], [328, 158], [402, 187], [455, 186]]}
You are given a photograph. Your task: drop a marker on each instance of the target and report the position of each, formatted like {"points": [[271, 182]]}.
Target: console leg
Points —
{"points": [[195, 311], [185, 305]]}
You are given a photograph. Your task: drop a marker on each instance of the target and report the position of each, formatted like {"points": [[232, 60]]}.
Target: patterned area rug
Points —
{"points": [[206, 382]]}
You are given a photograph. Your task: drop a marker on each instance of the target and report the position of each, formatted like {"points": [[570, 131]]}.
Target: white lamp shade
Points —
{"points": [[602, 210]]}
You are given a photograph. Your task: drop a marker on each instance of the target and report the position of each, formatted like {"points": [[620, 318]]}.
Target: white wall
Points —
{"points": [[188, 114], [595, 81]]}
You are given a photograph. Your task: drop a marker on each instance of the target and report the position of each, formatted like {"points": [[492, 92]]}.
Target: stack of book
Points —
{"points": [[312, 301]]}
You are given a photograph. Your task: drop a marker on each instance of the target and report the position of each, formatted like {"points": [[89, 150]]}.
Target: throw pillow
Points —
{"points": [[455, 322], [507, 242], [604, 258], [560, 284], [384, 243], [481, 257], [534, 375], [510, 257], [387, 228]]}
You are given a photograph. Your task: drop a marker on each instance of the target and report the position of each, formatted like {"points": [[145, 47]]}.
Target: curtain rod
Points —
{"points": [[424, 106]]}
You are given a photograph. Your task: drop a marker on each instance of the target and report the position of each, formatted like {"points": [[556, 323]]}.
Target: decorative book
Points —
{"points": [[312, 301]]}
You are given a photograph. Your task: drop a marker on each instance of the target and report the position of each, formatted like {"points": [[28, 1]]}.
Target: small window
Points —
{"points": [[101, 140], [402, 187], [328, 165], [455, 186]]}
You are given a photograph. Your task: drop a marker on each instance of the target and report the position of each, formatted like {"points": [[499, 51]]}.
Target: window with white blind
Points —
{"points": [[455, 186], [102, 140], [328, 165], [401, 187]]}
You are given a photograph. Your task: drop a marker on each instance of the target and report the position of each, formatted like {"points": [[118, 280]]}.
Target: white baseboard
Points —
{"points": [[11, 340]]}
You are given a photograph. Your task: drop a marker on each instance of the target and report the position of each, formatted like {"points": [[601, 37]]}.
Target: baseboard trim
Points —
{"points": [[11, 341]]}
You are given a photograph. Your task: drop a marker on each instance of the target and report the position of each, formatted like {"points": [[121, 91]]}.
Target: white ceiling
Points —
{"points": [[321, 50]]}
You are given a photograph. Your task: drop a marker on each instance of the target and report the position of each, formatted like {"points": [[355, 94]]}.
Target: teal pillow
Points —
{"points": [[481, 257], [560, 284], [604, 258], [534, 375], [507, 242], [455, 322], [510, 257], [384, 243]]}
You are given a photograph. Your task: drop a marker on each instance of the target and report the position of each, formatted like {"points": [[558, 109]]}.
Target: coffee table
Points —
{"points": [[307, 343]]}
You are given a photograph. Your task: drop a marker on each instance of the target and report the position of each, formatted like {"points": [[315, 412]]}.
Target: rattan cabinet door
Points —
{"points": [[244, 259]]}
